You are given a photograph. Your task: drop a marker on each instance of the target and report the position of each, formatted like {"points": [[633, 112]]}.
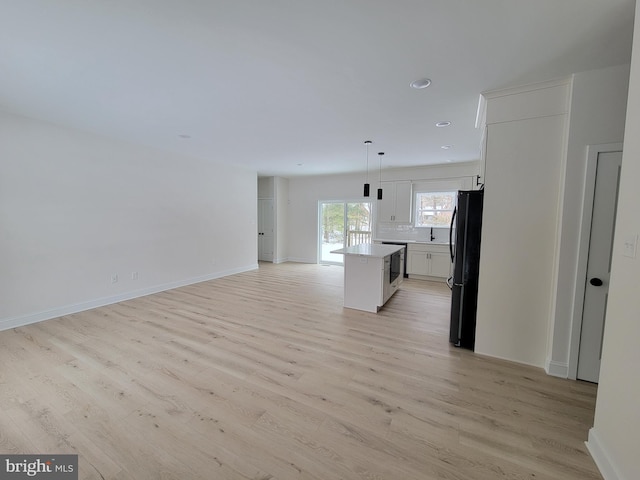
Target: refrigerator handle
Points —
{"points": [[453, 219]]}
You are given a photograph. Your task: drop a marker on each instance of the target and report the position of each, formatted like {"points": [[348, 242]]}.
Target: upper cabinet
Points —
{"points": [[395, 205]]}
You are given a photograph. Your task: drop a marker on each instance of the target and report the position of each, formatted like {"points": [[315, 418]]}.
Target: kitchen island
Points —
{"points": [[372, 274]]}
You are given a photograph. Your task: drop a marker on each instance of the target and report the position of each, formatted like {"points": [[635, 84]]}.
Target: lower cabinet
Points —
{"points": [[428, 260]]}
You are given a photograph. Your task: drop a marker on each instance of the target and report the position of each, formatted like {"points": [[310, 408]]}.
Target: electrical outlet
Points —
{"points": [[114, 278], [630, 246], [134, 275]]}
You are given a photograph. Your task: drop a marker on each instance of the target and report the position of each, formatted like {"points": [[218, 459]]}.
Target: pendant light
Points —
{"points": [[380, 154], [366, 185]]}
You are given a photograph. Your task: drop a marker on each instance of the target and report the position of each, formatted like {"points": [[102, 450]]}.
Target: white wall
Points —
{"points": [[615, 437], [525, 306], [76, 208], [597, 116], [523, 172], [266, 187], [282, 219], [306, 192]]}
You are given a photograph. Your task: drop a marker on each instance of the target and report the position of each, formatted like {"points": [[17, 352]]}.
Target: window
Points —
{"points": [[434, 209]]}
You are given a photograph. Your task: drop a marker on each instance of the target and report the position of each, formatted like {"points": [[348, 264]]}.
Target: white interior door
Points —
{"points": [[599, 264], [265, 230]]}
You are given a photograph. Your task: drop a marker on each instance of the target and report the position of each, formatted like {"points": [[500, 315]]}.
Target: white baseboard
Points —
{"points": [[557, 369], [22, 320], [601, 457], [491, 355], [428, 278], [302, 260]]}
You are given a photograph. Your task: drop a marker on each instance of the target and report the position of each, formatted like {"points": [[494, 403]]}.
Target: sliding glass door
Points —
{"points": [[342, 224]]}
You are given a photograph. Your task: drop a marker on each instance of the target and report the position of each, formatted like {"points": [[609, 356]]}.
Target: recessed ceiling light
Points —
{"points": [[419, 84], [446, 147], [184, 135], [443, 124]]}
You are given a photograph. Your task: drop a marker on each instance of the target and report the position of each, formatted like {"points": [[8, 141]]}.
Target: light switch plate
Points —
{"points": [[630, 246]]}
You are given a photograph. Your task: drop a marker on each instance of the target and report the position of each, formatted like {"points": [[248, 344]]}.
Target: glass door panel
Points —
{"points": [[342, 224], [358, 223], [331, 231]]}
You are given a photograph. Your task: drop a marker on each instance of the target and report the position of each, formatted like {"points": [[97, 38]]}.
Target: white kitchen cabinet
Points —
{"points": [[428, 260], [440, 264], [417, 262], [395, 205]]}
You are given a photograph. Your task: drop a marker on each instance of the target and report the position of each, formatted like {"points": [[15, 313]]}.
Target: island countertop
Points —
{"points": [[408, 242], [370, 250]]}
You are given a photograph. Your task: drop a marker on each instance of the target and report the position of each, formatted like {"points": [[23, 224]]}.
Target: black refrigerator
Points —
{"points": [[466, 226]]}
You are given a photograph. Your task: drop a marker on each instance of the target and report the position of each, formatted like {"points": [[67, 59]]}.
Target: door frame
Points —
{"points": [[593, 151], [319, 224]]}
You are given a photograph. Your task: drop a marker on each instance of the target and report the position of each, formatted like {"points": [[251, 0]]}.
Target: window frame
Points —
{"points": [[417, 210]]}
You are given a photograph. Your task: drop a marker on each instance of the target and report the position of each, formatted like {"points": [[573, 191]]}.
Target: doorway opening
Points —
{"points": [[342, 224]]}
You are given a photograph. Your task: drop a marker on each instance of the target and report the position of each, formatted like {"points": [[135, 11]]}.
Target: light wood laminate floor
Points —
{"points": [[263, 375]]}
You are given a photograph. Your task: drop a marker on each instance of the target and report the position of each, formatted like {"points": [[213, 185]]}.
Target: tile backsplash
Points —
{"points": [[390, 231]]}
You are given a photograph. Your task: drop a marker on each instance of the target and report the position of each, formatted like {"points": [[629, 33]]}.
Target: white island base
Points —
{"points": [[367, 284]]}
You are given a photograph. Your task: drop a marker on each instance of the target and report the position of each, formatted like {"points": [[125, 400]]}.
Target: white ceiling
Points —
{"points": [[273, 84]]}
